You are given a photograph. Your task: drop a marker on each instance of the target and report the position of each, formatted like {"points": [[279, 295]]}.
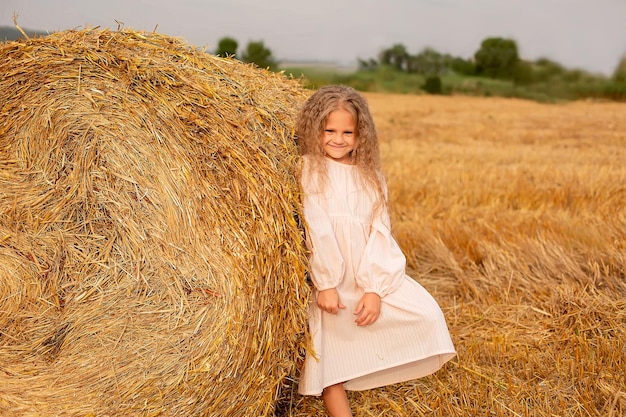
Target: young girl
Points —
{"points": [[371, 324]]}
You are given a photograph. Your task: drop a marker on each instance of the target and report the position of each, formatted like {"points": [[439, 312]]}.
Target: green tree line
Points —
{"points": [[498, 58]]}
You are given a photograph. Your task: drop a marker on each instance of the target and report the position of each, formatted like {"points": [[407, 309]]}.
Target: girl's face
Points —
{"points": [[339, 136]]}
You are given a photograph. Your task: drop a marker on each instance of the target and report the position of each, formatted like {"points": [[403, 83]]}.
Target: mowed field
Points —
{"points": [[513, 215]]}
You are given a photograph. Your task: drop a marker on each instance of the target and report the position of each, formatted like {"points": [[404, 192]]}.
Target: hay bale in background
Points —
{"points": [[150, 262]]}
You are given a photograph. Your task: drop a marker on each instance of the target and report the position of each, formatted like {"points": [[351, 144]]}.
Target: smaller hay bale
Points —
{"points": [[150, 259]]}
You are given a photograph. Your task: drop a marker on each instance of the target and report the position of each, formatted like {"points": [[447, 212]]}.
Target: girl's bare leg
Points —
{"points": [[336, 401]]}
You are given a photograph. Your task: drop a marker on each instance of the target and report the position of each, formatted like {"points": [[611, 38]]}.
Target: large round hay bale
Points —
{"points": [[150, 258]]}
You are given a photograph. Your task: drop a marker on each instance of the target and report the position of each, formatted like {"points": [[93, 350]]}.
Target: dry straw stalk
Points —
{"points": [[150, 258]]}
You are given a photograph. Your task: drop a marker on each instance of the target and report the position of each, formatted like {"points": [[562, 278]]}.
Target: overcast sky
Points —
{"points": [[588, 34]]}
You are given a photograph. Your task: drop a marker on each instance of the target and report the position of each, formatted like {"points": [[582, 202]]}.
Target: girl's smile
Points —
{"points": [[339, 136]]}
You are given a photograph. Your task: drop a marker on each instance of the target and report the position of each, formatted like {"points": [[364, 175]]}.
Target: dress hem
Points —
{"points": [[445, 356]]}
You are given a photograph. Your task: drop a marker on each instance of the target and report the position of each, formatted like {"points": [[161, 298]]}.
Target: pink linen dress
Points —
{"points": [[355, 253]]}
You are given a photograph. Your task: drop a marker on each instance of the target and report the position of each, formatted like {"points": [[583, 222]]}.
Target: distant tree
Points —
{"points": [[396, 57], [546, 69], [428, 62], [497, 58], [367, 64], [462, 66], [574, 75], [619, 75], [523, 73], [227, 47], [258, 53]]}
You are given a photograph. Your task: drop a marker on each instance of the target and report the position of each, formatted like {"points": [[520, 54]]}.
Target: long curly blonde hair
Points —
{"points": [[312, 122]]}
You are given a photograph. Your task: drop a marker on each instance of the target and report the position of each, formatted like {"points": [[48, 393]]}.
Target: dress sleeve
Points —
{"points": [[326, 263], [383, 265]]}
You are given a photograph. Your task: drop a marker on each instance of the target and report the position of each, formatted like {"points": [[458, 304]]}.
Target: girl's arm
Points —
{"points": [[383, 264], [326, 263]]}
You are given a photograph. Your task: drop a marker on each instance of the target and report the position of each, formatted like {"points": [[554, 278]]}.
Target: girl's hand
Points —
{"points": [[368, 309], [328, 301]]}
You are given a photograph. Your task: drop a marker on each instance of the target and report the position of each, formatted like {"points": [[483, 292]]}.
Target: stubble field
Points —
{"points": [[513, 215]]}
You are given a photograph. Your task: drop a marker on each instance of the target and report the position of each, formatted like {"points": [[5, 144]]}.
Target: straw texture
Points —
{"points": [[150, 258]]}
